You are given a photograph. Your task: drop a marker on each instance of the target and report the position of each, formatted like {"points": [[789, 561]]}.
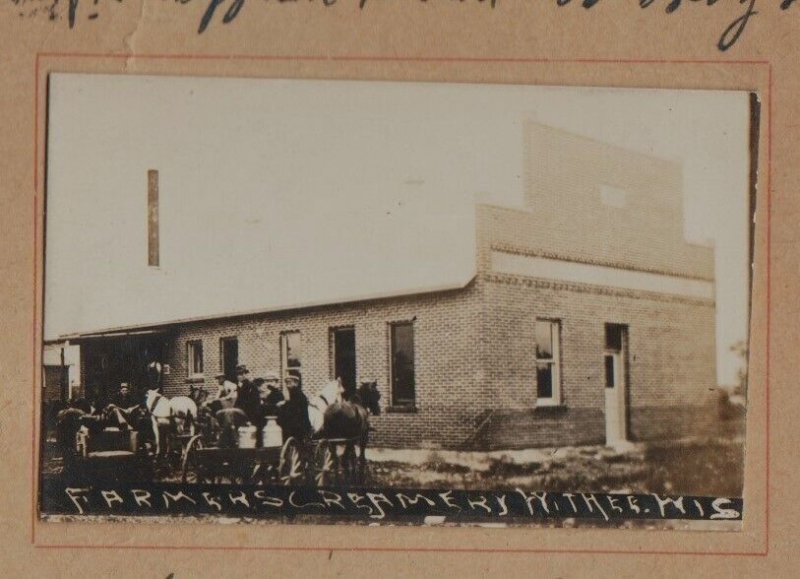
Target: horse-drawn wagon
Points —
{"points": [[225, 450], [93, 448], [313, 461], [210, 444]]}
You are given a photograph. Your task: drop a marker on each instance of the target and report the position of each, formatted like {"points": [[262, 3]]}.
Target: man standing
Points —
{"points": [[271, 394], [293, 414], [247, 398]]}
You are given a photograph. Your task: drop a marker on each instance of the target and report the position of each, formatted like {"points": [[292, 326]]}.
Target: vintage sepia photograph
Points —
{"points": [[276, 301]]}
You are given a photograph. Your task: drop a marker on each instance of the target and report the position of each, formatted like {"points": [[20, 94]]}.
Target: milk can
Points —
{"points": [[272, 434]]}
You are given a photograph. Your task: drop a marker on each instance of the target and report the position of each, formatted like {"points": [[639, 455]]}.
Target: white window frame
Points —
{"points": [[554, 362], [191, 370], [284, 343]]}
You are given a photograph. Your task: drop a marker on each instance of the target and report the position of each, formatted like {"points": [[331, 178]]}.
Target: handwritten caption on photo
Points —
{"points": [[375, 504]]}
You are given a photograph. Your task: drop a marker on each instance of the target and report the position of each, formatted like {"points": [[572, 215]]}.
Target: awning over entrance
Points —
{"points": [[78, 338]]}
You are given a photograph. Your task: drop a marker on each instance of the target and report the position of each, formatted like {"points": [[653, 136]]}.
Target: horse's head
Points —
{"points": [[370, 397]]}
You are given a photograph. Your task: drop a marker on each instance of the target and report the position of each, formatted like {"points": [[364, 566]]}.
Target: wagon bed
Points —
{"points": [[314, 462]]}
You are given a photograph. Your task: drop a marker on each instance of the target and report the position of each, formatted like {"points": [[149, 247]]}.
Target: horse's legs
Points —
{"points": [[362, 460], [156, 436]]}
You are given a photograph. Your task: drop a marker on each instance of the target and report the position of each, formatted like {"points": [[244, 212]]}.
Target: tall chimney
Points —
{"points": [[152, 218]]}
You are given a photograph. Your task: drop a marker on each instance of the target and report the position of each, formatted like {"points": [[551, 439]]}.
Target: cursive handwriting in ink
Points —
{"points": [[734, 31], [72, 11], [230, 14]]}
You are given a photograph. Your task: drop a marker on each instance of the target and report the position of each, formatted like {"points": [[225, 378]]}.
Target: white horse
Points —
{"points": [[329, 394], [178, 414]]}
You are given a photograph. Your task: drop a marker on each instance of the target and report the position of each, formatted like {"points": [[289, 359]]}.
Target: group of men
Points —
{"points": [[263, 397], [258, 399]]}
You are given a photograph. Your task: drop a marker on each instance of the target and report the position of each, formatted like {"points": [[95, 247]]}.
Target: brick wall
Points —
{"points": [[671, 362], [567, 217], [446, 340]]}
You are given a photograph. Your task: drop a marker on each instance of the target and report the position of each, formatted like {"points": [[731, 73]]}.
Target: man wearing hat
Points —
{"points": [[271, 393], [247, 398], [293, 414], [226, 393]]}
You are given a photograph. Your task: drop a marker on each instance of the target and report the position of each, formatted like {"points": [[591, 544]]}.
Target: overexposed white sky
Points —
{"points": [[277, 192]]}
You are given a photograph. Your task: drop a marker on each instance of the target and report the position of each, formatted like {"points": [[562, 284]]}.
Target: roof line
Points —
{"points": [[309, 305]]}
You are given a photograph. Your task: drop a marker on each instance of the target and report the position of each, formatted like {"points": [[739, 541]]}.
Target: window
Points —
{"points": [[291, 354], [194, 358], [402, 363], [343, 342], [229, 357], [548, 363]]}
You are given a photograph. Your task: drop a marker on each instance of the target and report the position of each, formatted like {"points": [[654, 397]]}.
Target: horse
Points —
{"points": [[331, 393], [346, 418], [178, 414]]}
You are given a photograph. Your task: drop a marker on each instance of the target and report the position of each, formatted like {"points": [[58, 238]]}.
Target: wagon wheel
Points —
{"points": [[290, 467], [175, 451], [81, 444], [234, 473], [190, 465], [325, 470], [264, 472], [350, 466]]}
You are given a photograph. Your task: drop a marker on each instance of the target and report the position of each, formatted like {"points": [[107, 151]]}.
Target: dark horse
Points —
{"points": [[349, 418]]}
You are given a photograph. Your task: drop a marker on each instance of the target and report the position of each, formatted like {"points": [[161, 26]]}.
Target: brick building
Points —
{"points": [[589, 319]]}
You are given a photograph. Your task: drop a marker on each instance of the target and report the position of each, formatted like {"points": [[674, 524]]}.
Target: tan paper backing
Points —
{"points": [[614, 44]]}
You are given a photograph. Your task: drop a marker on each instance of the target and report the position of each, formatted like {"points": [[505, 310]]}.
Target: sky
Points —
{"points": [[281, 192]]}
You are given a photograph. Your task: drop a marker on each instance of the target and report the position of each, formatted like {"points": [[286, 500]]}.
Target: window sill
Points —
{"points": [[195, 379], [551, 409], [401, 410]]}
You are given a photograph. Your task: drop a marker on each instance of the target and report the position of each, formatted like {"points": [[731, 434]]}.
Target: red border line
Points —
{"points": [[414, 59], [769, 299], [34, 447], [398, 59], [405, 550]]}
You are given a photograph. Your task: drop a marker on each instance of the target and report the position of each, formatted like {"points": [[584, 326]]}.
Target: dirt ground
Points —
{"points": [[709, 467]]}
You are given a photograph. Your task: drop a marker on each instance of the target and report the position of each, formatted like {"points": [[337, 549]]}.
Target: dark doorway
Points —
{"points": [[110, 361], [403, 379], [229, 354], [344, 356]]}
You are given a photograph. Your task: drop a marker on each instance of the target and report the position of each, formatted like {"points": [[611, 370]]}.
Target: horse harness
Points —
{"points": [[154, 402], [325, 400]]}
